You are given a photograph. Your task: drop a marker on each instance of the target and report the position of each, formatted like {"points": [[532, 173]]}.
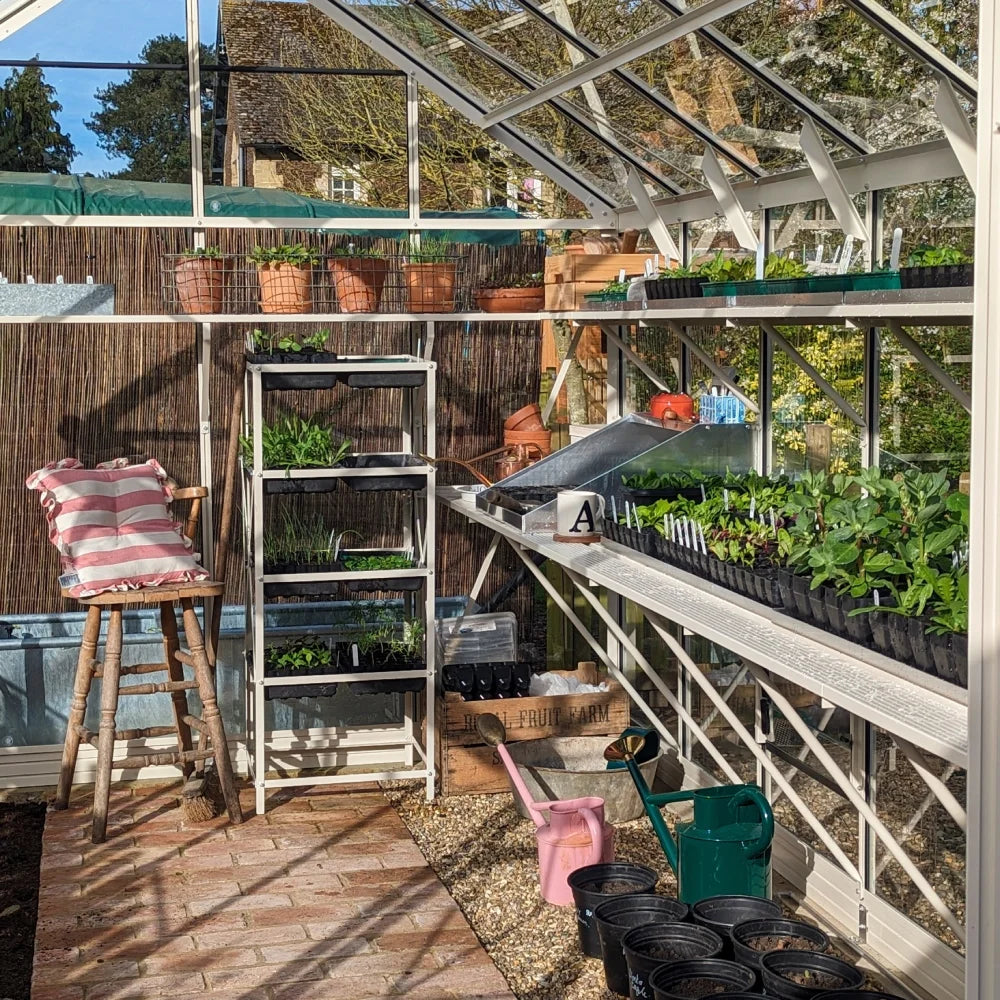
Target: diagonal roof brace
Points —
{"points": [[735, 214], [829, 179], [957, 129], [654, 221], [597, 202], [15, 14], [641, 45]]}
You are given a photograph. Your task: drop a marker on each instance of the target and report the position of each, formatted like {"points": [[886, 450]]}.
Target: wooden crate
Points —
{"points": [[593, 267], [467, 766]]}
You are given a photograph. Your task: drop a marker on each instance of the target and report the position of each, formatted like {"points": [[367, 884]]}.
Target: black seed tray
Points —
{"points": [[368, 484], [383, 380]]}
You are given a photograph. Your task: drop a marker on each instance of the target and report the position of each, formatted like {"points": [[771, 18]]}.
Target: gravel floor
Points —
{"points": [[485, 854]]}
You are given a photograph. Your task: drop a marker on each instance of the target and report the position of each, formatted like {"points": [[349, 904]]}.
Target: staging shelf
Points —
{"points": [[904, 702]]}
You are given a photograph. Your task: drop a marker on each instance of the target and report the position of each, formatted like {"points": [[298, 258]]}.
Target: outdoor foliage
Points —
{"points": [[30, 137], [145, 119]]}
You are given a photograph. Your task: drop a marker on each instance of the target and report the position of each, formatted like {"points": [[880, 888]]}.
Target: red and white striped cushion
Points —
{"points": [[112, 528]]}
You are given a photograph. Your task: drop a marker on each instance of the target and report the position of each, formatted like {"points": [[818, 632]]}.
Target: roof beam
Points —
{"points": [[15, 14], [596, 201], [754, 68], [917, 46], [928, 161], [599, 130], [641, 45]]}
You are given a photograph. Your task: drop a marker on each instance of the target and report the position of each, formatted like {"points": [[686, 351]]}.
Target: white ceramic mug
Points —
{"points": [[578, 515]]}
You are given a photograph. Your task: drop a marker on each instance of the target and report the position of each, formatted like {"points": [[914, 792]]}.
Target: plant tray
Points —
{"points": [[386, 585], [272, 486], [939, 276], [814, 284], [644, 496], [605, 296], [304, 588], [674, 288], [383, 380], [271, 381], [401, 685], [367, 484]]}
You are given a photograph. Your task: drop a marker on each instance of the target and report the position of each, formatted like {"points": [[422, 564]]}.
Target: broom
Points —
{"points": [[201, 798]]}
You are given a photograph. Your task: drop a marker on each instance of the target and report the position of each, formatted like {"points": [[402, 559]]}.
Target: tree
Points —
{"points": [[30, 137], [145, 119]]}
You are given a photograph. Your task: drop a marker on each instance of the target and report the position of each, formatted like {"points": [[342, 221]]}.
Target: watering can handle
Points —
{"points": [[596, 835], [752, 796]]}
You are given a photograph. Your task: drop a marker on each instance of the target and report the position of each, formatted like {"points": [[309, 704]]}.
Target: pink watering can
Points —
{"points": [[576, 834]]}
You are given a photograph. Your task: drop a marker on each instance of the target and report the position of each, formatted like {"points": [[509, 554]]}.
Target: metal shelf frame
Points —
{"points": [[417, 437]]}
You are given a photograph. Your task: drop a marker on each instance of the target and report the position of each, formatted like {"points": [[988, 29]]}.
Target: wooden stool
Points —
{"points": [[209, 725]]}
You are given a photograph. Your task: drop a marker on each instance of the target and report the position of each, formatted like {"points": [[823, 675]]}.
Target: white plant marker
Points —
{"points": [[897, 244], [703, 497], [614, 509]]}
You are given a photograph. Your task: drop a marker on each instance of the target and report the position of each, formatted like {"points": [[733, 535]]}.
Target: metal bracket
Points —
{"points": [[728, 202], [957, 130], [829, 179]]}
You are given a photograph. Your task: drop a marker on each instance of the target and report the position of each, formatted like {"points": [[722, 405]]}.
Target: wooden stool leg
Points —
{"points": [[110, 674], [78, 706], [168, 625], [210, 710]]}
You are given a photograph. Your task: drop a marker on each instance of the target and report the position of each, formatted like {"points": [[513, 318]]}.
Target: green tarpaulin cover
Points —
{"points": [[56, 194]]}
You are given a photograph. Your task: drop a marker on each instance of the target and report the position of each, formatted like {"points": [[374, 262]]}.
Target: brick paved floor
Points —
{"points": [[326, 897]]}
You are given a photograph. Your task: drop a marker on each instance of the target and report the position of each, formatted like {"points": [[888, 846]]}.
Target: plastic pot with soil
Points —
{"points": [[364, 484], [616, 917], [804, 975], [752, 939], [722, 913], [595, 884], [674, 288], [651, 947], [700, 977], [937, 276]]}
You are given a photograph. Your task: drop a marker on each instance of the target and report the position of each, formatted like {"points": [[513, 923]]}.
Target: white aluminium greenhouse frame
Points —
{"points": [[962, 152]]}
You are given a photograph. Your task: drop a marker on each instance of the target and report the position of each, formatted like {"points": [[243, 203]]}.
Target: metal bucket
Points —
{"points": [[571, 767]]}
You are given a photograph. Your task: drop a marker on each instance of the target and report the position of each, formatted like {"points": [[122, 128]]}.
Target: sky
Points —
{"points": [[96, 31]]}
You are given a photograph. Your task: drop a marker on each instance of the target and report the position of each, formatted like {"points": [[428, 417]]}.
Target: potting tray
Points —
{"points": [[383, 380], [674, 288], [900, 638], [293, 484], [363, 484], [301, 588], [939, 276], [813, 284], [272, 381], [605, 296]]}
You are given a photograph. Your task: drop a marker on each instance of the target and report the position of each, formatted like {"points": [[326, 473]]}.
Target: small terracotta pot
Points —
{"points": [[431, 287], [679, 402], [494, 300], [200, 283], [285, 288], [542, 439], [528, 418], [359, 282]]}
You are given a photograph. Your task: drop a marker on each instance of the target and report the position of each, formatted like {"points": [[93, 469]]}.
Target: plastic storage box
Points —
{"points": [[487, 638], [721, 410]]}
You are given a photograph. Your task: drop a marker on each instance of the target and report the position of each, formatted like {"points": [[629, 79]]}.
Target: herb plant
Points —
{"points": [[502, 280], [195, 253], [429, 251], [303, 653], [294, 442], [296, 254]]}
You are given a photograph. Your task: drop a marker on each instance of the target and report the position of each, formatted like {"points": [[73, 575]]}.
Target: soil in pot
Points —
{"points": [[358, 281], [592, 884], [754, 938], [616, 917], [201, 283], [511, 299], [648, 948], [799, 975], [721, 913], [285, 288], [703, 977], [430, 287]]}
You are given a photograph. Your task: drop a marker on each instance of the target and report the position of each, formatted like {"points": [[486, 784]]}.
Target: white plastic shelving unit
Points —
{"points": [[417, 444]]}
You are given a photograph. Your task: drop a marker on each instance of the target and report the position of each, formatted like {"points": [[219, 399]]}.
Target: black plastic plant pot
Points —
{"points": [[859, 627], [700, 977], [804, 975], [899, 638], [291, 485], [383, 380], [503, 680], [800, 595], [616, 917], [852, 995], [944, 663], [721, 913], [835, 617], [399, 686], [960, 658], [277, 691], [459, 677], [922, 655], [366, 484], [522, 679], [674, 288], [938, 276], [302, 588], [879, 621], [390, 584], [752, 939], [785, 580], [270, 381], [642, 497], [595, 884], [651, 947], [817, 607]]}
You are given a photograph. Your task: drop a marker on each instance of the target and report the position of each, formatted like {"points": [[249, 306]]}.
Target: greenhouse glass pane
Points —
{"points": [[844, 64], [951, 26]]}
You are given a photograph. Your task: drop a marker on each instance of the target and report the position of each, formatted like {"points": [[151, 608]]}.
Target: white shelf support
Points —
{"points": [[829, 179], [728, 201], [926, 361], [654, 221], [959, 133]]}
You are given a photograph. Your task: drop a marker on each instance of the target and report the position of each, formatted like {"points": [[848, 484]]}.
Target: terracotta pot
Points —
{"points": [[680, 403], [543, 439], [359, 282], [495, 300], [431, 287], [528, 418], [285, 288], [200, 283]]}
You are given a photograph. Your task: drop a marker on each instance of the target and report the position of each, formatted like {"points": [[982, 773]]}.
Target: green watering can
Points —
{"points": [[725, 850]]}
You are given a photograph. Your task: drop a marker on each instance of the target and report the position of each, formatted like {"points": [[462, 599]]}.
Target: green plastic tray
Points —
{"points": [[868, 282], [605, 297]]}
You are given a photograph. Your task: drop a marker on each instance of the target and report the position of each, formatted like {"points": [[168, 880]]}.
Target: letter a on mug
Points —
{"points": [[578, 513], [585, 517]]}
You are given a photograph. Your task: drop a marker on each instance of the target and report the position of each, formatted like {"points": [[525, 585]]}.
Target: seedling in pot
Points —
{"points": [[294, 442]]}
